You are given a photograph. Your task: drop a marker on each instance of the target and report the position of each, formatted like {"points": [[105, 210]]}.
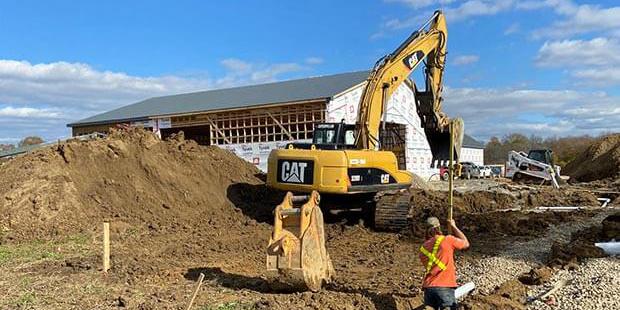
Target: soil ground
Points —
{"points": [[177, 210]]}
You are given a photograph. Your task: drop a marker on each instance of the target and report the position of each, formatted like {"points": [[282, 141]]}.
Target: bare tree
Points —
{"points": [[564, 149], [6, 147], [32, 140]]}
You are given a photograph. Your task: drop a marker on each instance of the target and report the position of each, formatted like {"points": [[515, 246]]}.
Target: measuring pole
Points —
{"points": [[451, 175]]}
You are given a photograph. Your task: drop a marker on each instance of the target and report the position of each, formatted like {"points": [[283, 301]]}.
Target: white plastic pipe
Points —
{"points": [[464, 289], [610, 248], [604, 201], [559, 208]]}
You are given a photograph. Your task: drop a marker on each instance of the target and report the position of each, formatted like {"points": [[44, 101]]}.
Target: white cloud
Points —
{"points": [[474, 8], [560, 6], [465, 60], [496, 112], [243, 72], [598, 51], [580, 19], [460, 10], [81, 86], [314, 60], [593, 62], [40, 99], [423, 3], [576, 19], [597, 77], [236, 66], [28, 112], [513, 28], [413, 22]]}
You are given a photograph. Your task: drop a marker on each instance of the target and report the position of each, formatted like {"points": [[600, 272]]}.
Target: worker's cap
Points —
{"points": [[432, 222]]}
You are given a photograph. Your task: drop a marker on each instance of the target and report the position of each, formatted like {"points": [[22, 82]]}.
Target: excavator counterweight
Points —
{"points": [[296, 254]]}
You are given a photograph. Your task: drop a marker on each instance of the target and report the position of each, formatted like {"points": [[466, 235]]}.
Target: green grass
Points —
{"points": [[25, 282], [25, 300], [5, 255], [26, 253], [78, 239], [38, 250]]}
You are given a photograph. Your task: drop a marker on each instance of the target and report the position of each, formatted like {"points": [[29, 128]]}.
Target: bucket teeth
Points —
{"points": [[296, 254]]}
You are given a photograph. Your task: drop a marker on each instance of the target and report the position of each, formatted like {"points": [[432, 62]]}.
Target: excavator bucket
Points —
{"points": [[439, 141], [296, 254]]}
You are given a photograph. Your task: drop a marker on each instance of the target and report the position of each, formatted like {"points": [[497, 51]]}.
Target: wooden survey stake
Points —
{"points": [[191, 301], [106, 246]]}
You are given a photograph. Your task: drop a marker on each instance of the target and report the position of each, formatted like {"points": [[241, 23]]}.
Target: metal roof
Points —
{"points": [[472, 143], [321, 87]]}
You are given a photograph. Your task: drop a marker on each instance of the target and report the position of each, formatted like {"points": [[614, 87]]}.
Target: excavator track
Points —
{"points": [[392, 211]]}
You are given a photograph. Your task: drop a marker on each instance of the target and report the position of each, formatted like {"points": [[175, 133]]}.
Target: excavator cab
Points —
{"points": [[330, 136]]}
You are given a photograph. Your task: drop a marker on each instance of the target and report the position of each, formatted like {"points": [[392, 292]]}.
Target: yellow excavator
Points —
{"points": [[345, 159]]}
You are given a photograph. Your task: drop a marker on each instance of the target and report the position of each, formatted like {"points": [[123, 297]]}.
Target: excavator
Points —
{"points": [[347, 160]]}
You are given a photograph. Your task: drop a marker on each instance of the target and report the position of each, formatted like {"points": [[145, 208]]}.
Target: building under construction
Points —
{"points": [[252, 120]]}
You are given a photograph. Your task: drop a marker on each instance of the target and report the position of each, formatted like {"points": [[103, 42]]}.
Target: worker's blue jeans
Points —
{"points": [[440, 298]]}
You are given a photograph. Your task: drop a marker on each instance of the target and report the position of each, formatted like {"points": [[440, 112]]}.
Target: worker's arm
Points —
{"points": [[459, 235]]}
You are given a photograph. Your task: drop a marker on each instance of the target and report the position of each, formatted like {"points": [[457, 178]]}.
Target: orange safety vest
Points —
{"points": [[432, 257]]}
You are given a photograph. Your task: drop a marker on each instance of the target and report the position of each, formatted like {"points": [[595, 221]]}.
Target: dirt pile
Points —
{"points": [[514, 223], [582, 242], [485, 211], [537, 276], [599, 161], [509, 295], [130, 177], [425, 203]]}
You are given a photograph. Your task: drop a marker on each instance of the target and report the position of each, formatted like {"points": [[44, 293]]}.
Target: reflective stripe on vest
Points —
{"points": [[432, 257]]}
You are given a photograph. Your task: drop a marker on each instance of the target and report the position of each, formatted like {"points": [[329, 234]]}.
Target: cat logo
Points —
{"points": [[295, 171], [412, 60]]}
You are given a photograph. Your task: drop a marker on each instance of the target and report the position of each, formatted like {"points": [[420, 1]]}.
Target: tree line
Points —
{"points": [[564, 149], [496, 150], [31, 140]]}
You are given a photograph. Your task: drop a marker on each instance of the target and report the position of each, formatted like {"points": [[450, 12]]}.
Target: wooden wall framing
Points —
{"points": [[285, 122], [279, 123]]}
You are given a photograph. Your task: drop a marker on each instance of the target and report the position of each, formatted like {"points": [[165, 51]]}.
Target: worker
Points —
{"points": [[437, 256]]}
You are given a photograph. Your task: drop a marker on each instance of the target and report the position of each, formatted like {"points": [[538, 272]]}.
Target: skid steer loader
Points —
{"points": [[296, 254], [535, 166]]}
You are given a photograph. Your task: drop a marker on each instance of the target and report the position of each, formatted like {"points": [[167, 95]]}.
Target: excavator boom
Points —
{"points": [[423, 45]]}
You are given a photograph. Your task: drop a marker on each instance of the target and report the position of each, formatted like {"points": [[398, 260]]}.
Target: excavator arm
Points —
{"points": [[424, 45]]}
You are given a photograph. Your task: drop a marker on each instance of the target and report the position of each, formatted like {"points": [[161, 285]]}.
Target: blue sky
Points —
{"points": [[548, 67]]}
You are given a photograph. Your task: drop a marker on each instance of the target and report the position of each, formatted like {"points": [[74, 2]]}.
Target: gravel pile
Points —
{"points": [[595, 285], [489, 272], [538, 250], [519, 257]]}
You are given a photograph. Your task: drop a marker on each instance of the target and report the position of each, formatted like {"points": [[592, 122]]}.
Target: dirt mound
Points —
{"points": [[130, 177], [479, 211], [563, 197], [582, 242], [425, 203], [599, 161], [178, 210], [536, 276], [514, 223], [510, 295]]}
